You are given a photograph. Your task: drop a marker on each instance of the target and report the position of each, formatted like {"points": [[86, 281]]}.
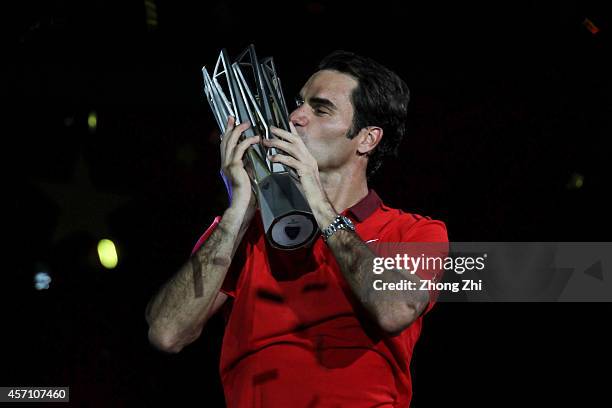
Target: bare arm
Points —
{"points": [[392, 310], [178, 312]]}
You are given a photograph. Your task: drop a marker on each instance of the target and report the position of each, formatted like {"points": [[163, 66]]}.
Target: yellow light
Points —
{"points": [[576, 181], [92, 120], [107, 253], [579, 182]]}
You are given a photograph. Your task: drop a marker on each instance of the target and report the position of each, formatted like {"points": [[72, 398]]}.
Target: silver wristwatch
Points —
{"points": [[340, 222]]}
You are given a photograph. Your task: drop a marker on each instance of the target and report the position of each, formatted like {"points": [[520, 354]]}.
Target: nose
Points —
{"points": [[298, 117]]}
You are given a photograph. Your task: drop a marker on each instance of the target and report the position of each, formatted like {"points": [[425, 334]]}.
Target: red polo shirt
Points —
{"points": [[296, 336]]}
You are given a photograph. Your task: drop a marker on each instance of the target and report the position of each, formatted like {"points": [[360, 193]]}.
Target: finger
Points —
{"points": [[229, 126], [282, 145], [230, 123], [287, 160], [228, 129], [293, 129], [242, 146], [284, 134], [233, 139]]}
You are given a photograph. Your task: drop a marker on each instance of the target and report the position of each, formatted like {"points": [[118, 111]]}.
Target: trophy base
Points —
{"points": [[287, 218]]}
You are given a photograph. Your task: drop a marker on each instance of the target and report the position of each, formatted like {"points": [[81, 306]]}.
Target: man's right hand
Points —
{"points": [[232, 166]]}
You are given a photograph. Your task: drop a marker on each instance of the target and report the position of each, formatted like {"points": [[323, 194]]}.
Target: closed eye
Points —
{"points": [[320, 106]]}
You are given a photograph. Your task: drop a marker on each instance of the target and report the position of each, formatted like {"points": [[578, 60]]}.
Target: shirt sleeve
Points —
{"points": [[229, 283], [430, 240]]}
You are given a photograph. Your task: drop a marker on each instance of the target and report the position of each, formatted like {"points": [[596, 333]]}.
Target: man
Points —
{"points": [[305, 328]]}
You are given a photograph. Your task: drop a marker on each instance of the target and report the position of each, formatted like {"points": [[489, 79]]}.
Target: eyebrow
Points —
{"points": [[316, 100]]}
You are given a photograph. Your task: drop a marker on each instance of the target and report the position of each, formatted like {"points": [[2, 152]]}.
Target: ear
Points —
{"points": [[369, 138]]}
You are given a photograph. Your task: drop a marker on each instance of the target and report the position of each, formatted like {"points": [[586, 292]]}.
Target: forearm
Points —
{"points": [[178, 312], [392, 310]]}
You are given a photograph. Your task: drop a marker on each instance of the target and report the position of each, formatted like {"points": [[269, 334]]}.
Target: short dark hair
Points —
{"points": [[380, 99]]}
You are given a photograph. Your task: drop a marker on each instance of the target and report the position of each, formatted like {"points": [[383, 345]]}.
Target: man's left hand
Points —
{"points": [[301, 160]]}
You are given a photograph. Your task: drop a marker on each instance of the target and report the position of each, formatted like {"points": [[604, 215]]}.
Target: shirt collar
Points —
{"points": [[364, 208]]}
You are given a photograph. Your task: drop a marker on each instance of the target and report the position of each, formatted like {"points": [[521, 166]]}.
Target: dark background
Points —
{"points": [[510, 107]]}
